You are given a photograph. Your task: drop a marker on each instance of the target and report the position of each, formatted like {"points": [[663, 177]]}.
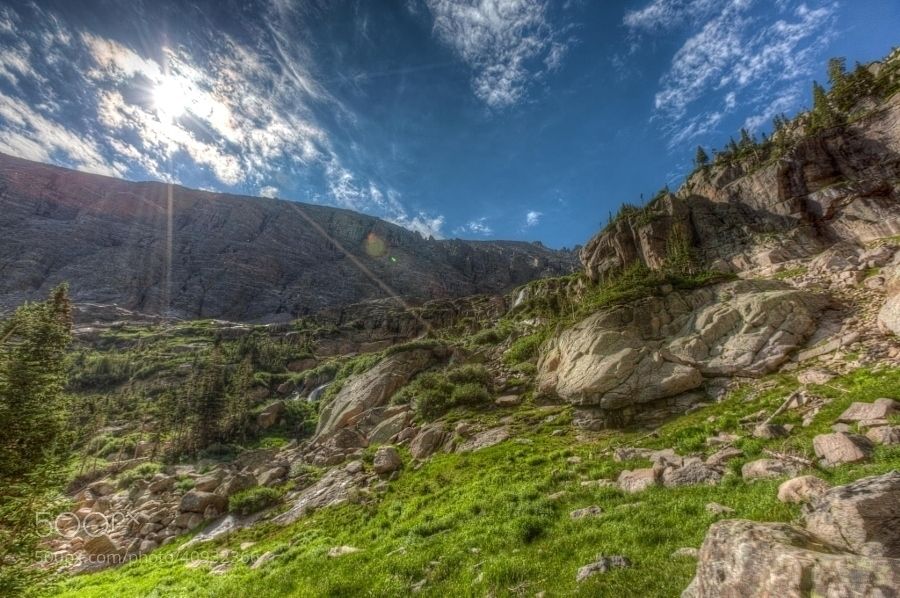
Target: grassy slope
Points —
{"points": [[483, 523]]}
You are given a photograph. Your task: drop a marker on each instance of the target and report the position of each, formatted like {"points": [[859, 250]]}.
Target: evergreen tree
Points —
{"points": [[33, 342], [701, 158], [823, 114], [238, 410], [208, 401]]}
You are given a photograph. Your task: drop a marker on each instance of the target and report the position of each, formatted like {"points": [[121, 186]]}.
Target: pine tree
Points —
{"points": [[208, 401], [823, 114], [701, 158], [238, 409], [32, 436]]}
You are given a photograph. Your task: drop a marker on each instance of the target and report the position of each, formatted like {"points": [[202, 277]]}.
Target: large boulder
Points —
{"points": [[427, 441], [387, 460], [840, 447], [877, 409], [365, 392], [643, 355], [863, 516], [746, 558], [196, 501]]}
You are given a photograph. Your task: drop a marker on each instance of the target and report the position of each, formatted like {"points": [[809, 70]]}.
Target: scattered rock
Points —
{"points": [[263, 560], [693, 473], [724, 455], [427, 441], [840, 447], [270, 477], [769, 431], [802, 489], [878, 409], [715, 508], [270, 416], [602, 565], [387, 460], [637, 480], [592, 511], [763, 469], [722, 439], [884, 435], [815, 376], [197, 502], [342, 550], [508, 401], [484, 439]]}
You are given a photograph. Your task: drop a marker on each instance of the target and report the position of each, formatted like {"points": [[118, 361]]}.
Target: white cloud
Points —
{"points": [[478, 226], [500, 40], [731, 52], [667, 14], [533, 218], [268, 191], [425, 225]]}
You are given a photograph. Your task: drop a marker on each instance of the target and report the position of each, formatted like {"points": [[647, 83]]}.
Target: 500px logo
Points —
{"points": [[93, 524]]}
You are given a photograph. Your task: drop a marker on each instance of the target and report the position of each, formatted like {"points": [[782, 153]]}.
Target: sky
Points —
{"points": [[477, 119]]}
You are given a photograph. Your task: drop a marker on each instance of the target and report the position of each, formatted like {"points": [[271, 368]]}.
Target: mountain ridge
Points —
{"points": [[229, 253]]}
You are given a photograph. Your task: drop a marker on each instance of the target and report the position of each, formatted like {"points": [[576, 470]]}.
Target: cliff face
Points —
{"points": [[840, 185], [161, 249]]}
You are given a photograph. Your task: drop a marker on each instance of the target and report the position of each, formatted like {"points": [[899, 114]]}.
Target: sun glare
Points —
{"points": [[170, 99]]}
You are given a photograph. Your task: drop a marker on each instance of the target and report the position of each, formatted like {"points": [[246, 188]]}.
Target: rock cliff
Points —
{"points": [[164, 249]]}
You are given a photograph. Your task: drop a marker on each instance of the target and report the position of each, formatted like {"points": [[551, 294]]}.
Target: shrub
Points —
{"points": [[141, 472], [469, 394], [253, 500], [524, 348], [470, 372]]}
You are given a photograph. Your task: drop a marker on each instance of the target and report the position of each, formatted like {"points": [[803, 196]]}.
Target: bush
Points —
{"points": [[470, 372], [253, 500], [469, 394], [524, 348], [141, 472]]}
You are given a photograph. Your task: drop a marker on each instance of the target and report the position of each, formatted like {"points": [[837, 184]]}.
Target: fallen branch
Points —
{"points": [[787, 403], [786, 457]]}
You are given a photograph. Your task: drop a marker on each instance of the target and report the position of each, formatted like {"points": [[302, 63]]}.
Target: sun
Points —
{"points": [[170, 99]]}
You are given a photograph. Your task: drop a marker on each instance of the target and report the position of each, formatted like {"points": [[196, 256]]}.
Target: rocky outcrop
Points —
{"points": [[840, 185], [361, 402], [889, 316], [850, 547], [745, 558], [635, 362], [229, 257]]}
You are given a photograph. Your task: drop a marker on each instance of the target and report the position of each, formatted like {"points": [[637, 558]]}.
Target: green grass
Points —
{"points": [[483, 523]]}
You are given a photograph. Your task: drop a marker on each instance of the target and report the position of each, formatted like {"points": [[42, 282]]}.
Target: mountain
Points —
{"points": [[228, 256]]}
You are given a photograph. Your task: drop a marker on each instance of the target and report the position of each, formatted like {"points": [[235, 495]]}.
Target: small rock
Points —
{"points": [[263, 560], [715, 508], [763, 469], [508, 401], [387, 460], [802, 489], [722, 439], [592, 511], [878, 409], [208, 483], [815, 376], [573, 460], [841, 428], [769, 431], [686, 553], [270, 477], [602, 565], [342, 550], [840, 447], [463, 429], [691, 474], [354, 467], [884, 435], [637, 480], [629, 453], [724, 455], [198, 502]]}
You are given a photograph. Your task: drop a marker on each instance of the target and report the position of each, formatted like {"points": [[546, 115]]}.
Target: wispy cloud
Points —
{"points": [[478, 226], [238, 112], [731, 55], [533, 218], [507, 44]]}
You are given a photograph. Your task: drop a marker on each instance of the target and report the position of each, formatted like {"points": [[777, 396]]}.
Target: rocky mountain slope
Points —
{"points": [[228, 257], [697, 412]]}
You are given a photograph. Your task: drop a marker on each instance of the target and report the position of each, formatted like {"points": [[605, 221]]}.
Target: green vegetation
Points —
{"points": [[432, 394], [33, 431], [488, 523], [253, 500]]}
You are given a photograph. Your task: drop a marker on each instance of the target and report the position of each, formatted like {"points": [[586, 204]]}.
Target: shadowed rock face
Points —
{"points": [[229, 257], [841, 185]]}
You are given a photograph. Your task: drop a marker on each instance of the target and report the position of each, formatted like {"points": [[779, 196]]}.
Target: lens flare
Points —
{"points": [[375, 246]]}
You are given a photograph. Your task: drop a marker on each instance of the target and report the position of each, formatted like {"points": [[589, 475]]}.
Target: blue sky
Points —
{"points": [[515, 119]]}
